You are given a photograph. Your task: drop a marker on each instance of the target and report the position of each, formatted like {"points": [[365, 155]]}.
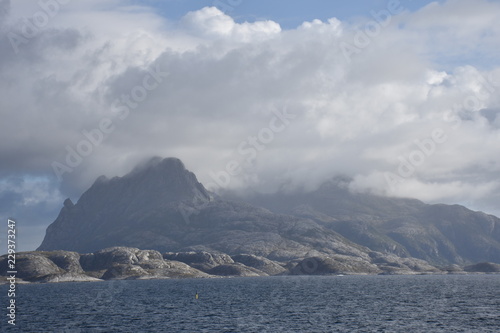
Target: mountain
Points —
{"points": [[161, 206], [127, 210], [440, 234]]}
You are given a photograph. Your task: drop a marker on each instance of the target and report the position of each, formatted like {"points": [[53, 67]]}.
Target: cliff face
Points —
{"points": [[161, 206], [140, 208]]}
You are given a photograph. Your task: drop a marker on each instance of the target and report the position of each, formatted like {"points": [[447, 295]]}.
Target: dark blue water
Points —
{"points": [[275, 304]]}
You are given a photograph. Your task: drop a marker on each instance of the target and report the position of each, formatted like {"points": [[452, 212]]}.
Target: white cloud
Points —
{"points": [[212, 23], [226, 80], [457, 29]]}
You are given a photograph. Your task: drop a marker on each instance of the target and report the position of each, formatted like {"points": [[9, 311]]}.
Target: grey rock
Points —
{"points": [[108, 264], [453, 269], [124, 271], [34, 266], [262, 264], [334, 265], [117, 255], [235, 270], [128, 263], [68, 204], [66, 277], [39, 267], [174, 269], [483, 267], [392, 264], [69, 261], [201, 260]]}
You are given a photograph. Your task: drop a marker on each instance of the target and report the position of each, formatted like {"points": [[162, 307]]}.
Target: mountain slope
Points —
{"points": [[162, 206], [440, 234], [112, 209]]}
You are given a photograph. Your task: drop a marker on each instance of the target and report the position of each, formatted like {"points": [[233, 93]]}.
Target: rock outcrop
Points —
{"points": [[125, 263], [333, 265], [133, 263], [483, 267], [57, 266], [202, 260], [235, 270], [120, 263], [112, 263], [262, 264]]}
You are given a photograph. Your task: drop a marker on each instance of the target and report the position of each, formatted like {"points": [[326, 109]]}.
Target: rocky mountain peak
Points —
{"points": [[151, 188], [169, 164], [68, 203], [164, 180]]}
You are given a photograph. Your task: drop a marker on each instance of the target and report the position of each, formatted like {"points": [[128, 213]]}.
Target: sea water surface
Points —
{"points": [[437, 303]]}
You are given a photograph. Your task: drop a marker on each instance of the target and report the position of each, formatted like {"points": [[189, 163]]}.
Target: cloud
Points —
{"points": [[33, 202], [450, 27], [212, 23], [222, 82]]}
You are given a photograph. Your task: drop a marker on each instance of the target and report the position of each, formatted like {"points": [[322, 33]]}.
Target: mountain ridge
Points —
{"points": [[439, 233], [160, 205]]}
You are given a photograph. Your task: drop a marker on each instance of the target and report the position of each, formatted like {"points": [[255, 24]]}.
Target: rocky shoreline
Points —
{"points": [[118, 263]]}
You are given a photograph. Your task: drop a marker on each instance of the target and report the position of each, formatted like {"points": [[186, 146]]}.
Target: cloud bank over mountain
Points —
{"points": [[405, 103]]}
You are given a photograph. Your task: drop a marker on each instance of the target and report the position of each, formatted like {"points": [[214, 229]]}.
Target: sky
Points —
{"points": [[402, 97]]}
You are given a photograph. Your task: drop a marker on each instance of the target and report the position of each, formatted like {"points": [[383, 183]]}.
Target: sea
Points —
{"points": [[421, 303]]}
